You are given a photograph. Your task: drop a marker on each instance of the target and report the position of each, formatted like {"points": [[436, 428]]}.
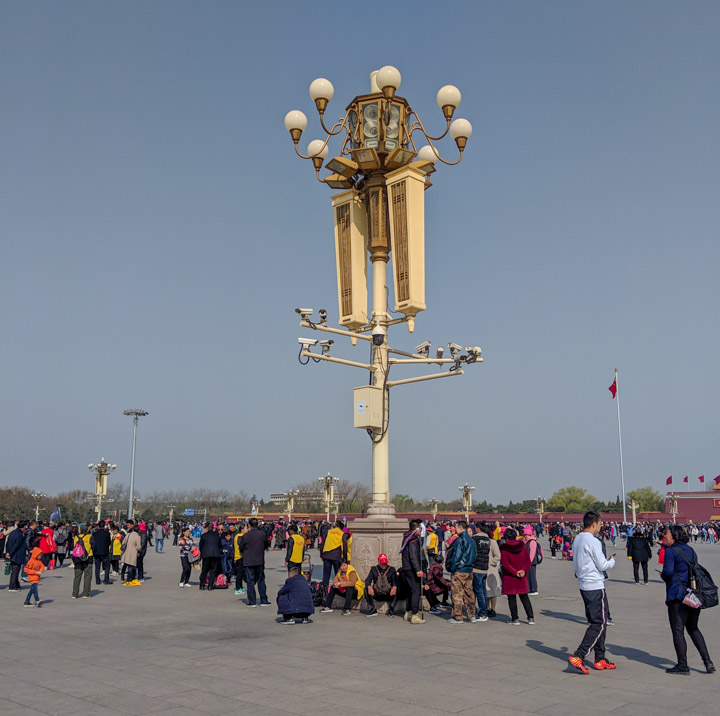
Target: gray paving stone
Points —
{"points": [[189, 652]]}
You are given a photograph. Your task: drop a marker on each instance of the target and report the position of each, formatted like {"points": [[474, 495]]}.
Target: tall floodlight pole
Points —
{"points": [[136, 415], [379, 214]]}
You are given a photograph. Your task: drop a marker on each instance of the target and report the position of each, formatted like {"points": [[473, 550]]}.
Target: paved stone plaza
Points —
{"points": [[161, 649]]}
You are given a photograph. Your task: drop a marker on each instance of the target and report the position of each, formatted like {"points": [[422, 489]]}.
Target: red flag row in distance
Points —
{"points": [[716, 480]]}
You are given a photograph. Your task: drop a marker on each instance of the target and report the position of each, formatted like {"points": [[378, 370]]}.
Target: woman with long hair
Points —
{"points": [[676, 575]]}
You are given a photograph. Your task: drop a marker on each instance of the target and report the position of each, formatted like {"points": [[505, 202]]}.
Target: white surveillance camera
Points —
{"points": [[323, 315], [307, 342], [378, 334], [423, 348], [454, 349], [304, 313], [325, 345], [440, 351]]}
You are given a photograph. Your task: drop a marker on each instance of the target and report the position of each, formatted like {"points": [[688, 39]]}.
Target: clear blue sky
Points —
{"points": [[158, 231]]}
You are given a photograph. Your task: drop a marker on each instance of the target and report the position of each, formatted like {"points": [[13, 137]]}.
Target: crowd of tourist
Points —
{"points": [[483, 561]]}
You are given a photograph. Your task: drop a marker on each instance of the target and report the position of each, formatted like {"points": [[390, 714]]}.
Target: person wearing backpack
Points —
{"points": [[677, 576], [481, 566], [381, 584], [82, 557]]}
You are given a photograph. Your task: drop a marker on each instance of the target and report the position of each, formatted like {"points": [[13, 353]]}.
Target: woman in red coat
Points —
{"points": [[515, 561]]}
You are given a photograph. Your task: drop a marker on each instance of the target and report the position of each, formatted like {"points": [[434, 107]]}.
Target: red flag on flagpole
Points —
{"points": [[716, 480], [701, 478], [613, 388], [669, 480], [685, 479]]}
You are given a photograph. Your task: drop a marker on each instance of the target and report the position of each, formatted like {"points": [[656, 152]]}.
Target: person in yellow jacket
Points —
{"points": [[348, 585], [238, 567], [336, 548], [431, 544], [115, 549], [295, 549], [82, 558]]}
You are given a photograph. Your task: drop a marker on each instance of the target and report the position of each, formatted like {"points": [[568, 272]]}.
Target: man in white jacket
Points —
{"points": [[589, 564]]}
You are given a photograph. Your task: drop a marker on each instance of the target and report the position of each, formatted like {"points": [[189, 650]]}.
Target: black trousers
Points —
{"points": [[239, 573], [209, 571], [596, 613], [297, 615], [102, 561], [390, 598], [682, 618], [432, 598], [512, 603], [60, 558], [411, 583], [140, 566], [186, 570], [636, 571], [256, 575], [349, 595], [15, 576], [328, 566]]}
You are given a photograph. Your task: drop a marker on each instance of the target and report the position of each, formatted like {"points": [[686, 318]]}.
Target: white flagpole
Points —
{"points": [[622, 473]]}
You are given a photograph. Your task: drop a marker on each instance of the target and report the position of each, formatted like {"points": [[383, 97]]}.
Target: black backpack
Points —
{"points": [[318, 592], [704, 588]]}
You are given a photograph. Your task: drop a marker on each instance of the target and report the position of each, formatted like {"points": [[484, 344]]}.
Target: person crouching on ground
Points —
{"points": [[294, 599], [33, 569], [437, 585], [381, 585], [348, 585], [515, 561]]}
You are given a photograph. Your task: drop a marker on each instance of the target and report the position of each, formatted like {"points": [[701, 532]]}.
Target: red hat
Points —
{"points": [[382, 558]]}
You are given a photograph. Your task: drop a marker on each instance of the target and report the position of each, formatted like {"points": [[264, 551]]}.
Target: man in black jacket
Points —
{"points": [[411, 571], [100, 545], [211, 552], [15, 551], [252, 546], [381, 585]]}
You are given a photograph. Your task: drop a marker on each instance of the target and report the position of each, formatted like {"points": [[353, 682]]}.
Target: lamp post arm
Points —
{"points": [[411, 361], [342, 361], [434, 376], [336, 331], [417, 124]]}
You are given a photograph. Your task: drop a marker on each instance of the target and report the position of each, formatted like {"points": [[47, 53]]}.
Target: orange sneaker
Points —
{"points": [[577, 662], [604, 664]]}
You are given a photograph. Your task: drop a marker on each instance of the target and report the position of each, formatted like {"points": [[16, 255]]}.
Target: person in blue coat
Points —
{"points": [[676, 576], [294, 599]]}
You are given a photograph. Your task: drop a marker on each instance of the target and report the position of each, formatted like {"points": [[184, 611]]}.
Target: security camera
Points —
{"points": [[440, 351], [454, 349], [378, 334], [325, 345], [323, 315], [307, 342], [304, 313], [474, 350], [423, 348]]}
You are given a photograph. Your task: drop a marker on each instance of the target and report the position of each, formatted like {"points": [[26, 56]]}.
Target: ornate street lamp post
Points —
{"points": [[101, 470], [466, 499], [434, 507], [379, 215], [328, 483], [38, 496], [540, 507]]}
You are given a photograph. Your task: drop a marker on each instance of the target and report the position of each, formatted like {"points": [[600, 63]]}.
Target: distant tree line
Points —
{"points": [[353, 497]]}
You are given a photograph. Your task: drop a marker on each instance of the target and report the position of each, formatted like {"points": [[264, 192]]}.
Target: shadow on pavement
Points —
{"points": [[632, 654], [561, 653], [562, 615]]}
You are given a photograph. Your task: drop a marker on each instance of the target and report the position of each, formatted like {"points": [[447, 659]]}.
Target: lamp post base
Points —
{"points": [[379, 532]]}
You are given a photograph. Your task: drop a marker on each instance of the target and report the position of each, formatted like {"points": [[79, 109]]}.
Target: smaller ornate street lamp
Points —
{"points": [[540, 508], [433, 503], [290, 497], [101, 470], [37, 496], [673, 507], [466, 499], [329, 483]]}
